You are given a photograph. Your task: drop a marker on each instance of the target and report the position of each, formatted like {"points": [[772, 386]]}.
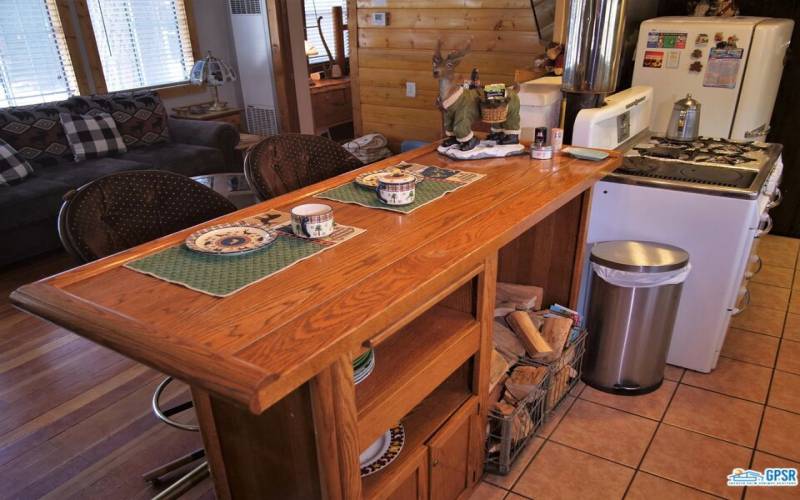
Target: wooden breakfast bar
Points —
{"points": [[270, 366]]}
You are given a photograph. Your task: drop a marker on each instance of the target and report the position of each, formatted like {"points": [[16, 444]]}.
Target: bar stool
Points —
{"points": [[122, 210]]}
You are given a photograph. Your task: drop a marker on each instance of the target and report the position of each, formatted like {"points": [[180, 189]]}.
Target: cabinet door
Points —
{"points": [[415, 485], [452, 460]]}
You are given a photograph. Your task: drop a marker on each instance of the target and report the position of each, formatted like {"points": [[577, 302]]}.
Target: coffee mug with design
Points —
{"points": [[397, 188], [312, 220]]}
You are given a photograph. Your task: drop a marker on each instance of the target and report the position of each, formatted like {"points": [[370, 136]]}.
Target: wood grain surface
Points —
{"points": [[260, 344], [502, 33]]}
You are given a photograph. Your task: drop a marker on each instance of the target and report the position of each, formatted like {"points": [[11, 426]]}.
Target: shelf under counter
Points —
{"points": [[420, 425], [410, 364]]}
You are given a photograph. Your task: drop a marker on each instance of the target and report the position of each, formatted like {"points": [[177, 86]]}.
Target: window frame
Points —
{"points": [[95, 65]]}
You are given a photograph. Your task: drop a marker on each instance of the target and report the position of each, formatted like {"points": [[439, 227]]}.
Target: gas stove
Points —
{"points": [[711, 166]]}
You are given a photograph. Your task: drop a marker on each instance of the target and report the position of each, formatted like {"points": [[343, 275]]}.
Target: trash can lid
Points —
{"points": [[639, 256]]}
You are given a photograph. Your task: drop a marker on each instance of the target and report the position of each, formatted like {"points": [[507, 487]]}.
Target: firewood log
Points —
{"points": [[506, 342], [526, 331], [523, 296]]}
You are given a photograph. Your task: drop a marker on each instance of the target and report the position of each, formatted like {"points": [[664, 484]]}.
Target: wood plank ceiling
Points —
{"points": [[504, 38]]}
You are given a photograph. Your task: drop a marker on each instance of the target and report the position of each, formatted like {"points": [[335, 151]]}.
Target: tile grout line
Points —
{"points": [[774, 369], [653, 437], [546, 439]]}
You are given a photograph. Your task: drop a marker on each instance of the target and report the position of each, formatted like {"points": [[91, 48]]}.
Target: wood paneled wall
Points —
{"points": [[383, 59]]}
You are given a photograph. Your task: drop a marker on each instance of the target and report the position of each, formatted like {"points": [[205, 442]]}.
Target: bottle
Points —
{"points": [[475, 79]]}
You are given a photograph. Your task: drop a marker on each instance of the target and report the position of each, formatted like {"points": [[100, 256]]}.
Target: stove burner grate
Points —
{"points": [[683, 172]]}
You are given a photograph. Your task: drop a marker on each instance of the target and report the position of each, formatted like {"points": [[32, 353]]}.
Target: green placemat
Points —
{"points": [[426, 192]]}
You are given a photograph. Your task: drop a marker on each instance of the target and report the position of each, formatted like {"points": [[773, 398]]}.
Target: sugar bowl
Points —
{"points": [[398, 188]]}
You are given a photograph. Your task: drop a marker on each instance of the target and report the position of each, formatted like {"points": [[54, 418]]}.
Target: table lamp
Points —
{"points": [[212, 72]]}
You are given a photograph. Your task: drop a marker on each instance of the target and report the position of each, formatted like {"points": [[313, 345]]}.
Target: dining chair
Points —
{"points": [[122, 210], [283, 163]]}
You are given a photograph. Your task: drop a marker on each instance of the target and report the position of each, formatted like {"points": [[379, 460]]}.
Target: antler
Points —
{"points": [[438, 51], [459, 53]]}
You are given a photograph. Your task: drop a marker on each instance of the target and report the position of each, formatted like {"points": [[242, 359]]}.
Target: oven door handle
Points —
{"points": [[776, 200], [767, 221], [745, 302]]}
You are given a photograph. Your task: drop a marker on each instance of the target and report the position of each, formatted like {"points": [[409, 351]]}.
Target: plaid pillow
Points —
{"points": [[92, 136], [140, 115], [13, 166]]}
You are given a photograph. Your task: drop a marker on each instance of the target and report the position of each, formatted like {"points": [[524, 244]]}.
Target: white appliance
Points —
{"points": [[250, 28], [732, 65], [716, 220], [539, 105], [623, 116]]}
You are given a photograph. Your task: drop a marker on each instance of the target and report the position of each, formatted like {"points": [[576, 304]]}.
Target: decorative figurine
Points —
{"points": [[463, 104], [460, 106]]}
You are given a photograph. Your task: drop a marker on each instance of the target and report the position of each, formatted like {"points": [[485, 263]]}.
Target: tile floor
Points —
{"points": [[681, 441]]}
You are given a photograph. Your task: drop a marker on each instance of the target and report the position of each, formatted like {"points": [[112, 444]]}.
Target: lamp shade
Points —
{"points": [[211, 71]]}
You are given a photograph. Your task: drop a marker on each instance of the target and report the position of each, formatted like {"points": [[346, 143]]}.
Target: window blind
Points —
{"points": [[314, 9], [35, 66], [142, 43]]}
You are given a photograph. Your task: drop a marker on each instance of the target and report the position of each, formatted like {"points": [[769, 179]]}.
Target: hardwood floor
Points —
{"points": [[75, 419]]}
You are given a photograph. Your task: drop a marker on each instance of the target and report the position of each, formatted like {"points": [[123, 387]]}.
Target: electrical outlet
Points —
{"points": [[379, 19], [411, 89]]}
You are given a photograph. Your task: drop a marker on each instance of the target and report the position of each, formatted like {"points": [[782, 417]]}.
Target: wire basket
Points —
{"points": [[564, 371], [501, 446]]}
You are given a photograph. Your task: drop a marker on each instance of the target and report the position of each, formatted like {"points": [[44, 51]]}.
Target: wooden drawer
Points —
{"points": [[331, 107]]}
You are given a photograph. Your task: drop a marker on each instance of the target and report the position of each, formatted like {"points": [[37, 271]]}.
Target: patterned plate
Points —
{"points": [[369, 180], [383, 451], [230, 239]]}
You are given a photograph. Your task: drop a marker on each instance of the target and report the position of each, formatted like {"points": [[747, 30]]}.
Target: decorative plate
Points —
{"points": [[369, 180], [230, 239], [383, 451]]}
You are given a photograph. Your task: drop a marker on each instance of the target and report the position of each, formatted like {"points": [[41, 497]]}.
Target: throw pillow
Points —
{"points": [[35, 132], [92, 136], [140, 115], [13, 166]]}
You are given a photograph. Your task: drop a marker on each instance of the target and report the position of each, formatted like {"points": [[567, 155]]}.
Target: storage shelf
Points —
{"points": [[410, 364], [419, 426]]}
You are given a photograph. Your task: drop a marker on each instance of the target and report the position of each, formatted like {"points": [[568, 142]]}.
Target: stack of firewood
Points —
{"points": [[529, 344]]}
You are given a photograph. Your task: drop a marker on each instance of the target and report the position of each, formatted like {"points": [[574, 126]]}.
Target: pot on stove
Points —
{"points": [[684, 124]]}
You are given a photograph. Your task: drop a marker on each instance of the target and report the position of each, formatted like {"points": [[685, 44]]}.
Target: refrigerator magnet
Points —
{"points": [[653, 59], [673, 59], [697, 54], [701, 40], [696, 67]]}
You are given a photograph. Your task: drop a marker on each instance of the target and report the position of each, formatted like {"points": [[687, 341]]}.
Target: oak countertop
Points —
{"points": [[258, 345]]}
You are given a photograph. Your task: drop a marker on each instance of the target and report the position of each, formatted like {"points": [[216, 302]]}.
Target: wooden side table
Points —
{"points": [[246, 142], [200, 112]]}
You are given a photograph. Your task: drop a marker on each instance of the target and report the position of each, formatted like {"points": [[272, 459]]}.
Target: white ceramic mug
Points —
{"points": [[312, 220], [397, 188]]}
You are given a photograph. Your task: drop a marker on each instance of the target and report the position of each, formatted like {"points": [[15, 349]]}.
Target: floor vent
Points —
{"points": [[261, 121]]}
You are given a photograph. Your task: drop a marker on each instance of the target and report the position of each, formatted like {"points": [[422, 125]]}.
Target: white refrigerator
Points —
{"points": [[732, 65]]}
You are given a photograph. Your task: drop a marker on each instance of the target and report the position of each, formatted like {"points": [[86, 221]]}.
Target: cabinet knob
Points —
{"points": [[435, 462]]}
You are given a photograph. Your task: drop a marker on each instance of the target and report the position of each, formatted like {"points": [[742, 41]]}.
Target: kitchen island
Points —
{"points": [[270, 366]]}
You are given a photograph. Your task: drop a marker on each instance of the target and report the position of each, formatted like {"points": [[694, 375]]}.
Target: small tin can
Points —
{"points": [[557, 139], [540, 136], [542, 152]]}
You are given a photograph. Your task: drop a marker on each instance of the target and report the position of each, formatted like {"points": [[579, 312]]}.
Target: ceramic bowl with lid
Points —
{"points": [[397, 188]]}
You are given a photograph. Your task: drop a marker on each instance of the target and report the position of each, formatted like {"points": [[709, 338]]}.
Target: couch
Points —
{"points": [[29, 209]]}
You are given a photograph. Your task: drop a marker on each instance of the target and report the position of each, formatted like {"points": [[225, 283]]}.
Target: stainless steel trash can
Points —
{"points": [[631, 314]]}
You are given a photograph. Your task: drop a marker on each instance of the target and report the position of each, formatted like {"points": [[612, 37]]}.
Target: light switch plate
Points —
{"points": [[379, 19], [411, 89]]}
